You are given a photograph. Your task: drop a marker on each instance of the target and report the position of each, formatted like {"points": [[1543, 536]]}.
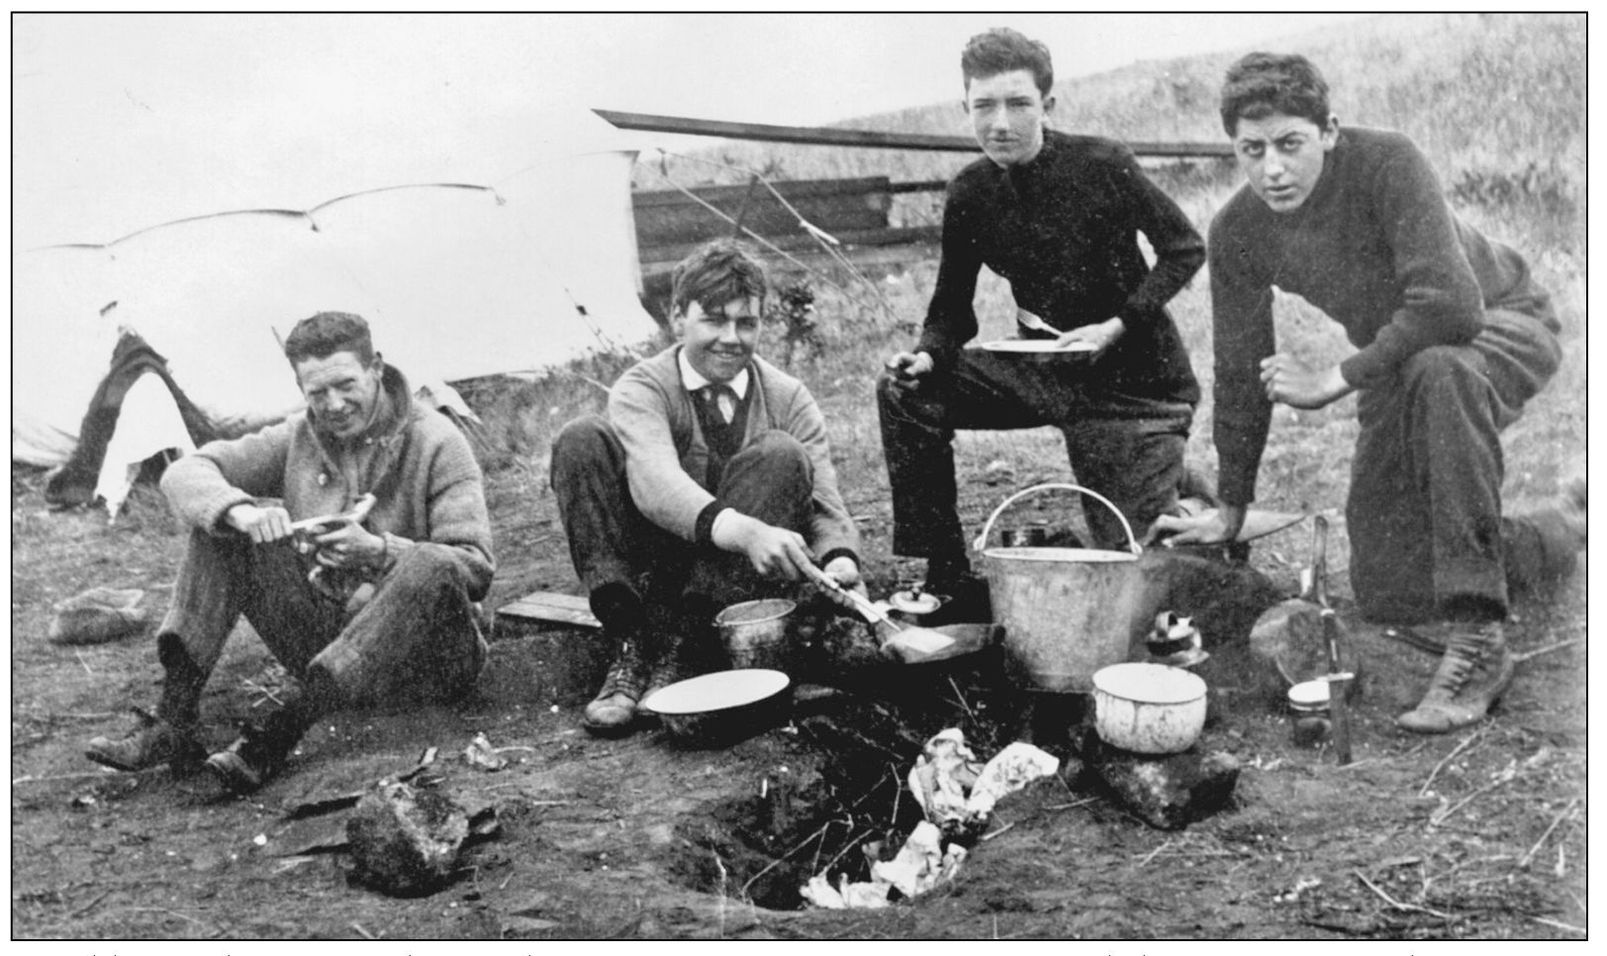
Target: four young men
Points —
{"points": [[709, 480]]}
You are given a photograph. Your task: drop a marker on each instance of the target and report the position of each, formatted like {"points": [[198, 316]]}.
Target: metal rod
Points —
{"points": [[1338, 688], [823, 136]]}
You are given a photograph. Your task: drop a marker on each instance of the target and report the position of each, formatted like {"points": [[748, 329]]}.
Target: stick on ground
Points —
{"points": [[1397, 904], [1470, 738], [1566, 812]]}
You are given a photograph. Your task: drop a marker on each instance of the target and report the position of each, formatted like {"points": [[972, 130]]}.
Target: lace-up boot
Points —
{"points": [[613, 710], [1474, 671], [152, 742]]}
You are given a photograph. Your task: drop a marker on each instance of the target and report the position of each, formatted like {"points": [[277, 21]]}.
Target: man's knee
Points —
{"points": [[581, 441], [1440, 367], [774, 461], [779, 450], [428, 563], [900, 398], [769, 479]]}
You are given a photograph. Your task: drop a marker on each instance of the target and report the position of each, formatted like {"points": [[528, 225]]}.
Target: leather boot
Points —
{"points": [[613, 711], [1473, 673]]}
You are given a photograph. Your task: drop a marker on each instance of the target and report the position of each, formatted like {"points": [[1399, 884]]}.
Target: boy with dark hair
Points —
{"points": [[707, 482], [1453, 336], [379, 610], [1058, 216]]}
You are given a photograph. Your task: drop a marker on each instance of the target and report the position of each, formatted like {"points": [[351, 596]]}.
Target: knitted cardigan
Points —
{"points": [[426, 482], [652, 413]]}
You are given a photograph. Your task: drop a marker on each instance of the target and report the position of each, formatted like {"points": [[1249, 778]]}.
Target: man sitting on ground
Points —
{"points": [[708, 482], [380, 611]]}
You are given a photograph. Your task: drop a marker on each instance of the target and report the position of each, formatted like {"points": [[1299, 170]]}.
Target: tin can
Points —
{"points": [[1308, 703]]}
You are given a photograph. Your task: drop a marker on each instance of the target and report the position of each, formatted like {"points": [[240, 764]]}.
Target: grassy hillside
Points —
{"points": [[1482, 93]]}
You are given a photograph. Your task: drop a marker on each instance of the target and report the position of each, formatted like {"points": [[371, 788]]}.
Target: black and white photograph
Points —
{"points": [[798, 476]]}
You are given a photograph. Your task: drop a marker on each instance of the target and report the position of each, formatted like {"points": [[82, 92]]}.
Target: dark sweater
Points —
{"points": [[1063, 230], [1377, 248]]}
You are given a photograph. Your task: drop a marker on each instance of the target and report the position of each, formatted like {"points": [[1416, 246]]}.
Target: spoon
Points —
{"points": [[1032, 321]]}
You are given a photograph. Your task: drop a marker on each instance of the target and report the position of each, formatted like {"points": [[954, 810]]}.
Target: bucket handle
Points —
{"points": [[982, 539]]}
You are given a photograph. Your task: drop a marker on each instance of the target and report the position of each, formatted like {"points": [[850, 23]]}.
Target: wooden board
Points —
{"points": [[550, 607]]}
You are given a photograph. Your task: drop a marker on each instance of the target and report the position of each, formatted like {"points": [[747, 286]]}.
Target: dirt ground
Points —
{"points": [[1475, 835]]}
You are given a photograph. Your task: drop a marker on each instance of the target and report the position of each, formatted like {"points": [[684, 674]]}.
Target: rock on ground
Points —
{"points": [[1167, 792], [405, 840]]}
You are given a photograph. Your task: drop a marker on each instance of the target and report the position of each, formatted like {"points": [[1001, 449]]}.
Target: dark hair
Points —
{"points": [[324, 334], [1261, 84], [1001, 50], [716, 273]]}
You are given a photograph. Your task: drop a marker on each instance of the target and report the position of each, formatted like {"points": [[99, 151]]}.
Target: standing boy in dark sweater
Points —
{"points": [[1453, 337], [1058, 217]]}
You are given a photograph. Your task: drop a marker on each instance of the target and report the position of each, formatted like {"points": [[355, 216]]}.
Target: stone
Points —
{"points": [[1167, 791], [98, 616], [405, 840]]}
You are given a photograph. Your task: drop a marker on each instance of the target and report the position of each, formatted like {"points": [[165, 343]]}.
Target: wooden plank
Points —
{"points": [[823, 136], [550, 607], [787, 134]]}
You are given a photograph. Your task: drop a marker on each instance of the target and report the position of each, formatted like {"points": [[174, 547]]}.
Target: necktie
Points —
{"points": [[722, 398]]}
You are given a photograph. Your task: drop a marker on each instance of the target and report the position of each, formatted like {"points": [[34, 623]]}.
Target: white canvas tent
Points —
{"points": [[457, 280]]}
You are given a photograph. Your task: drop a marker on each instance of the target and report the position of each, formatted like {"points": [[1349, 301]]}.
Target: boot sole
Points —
{"points": [[179, 762], [233, 774], [610, 730]]}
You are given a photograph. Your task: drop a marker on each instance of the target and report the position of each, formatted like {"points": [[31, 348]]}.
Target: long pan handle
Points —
{"points": [[865, 605]]}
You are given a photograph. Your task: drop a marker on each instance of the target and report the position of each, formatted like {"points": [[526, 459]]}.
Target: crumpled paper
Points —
{"points": [[954, 790], [952, 787], [943, 775], [1012, 768], [479, 753], [921, 865]]}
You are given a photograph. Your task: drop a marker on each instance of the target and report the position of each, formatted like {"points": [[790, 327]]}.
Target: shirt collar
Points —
{"points": [[694, 380]]}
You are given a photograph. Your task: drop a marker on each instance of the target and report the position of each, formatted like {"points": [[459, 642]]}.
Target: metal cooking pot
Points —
{"points": [[758, 633], [1149, 708]]}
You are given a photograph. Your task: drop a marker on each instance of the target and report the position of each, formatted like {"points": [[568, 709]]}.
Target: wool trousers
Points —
{"points": [[416, 640], [613, 543], [1427, 536], [1127, 447]]}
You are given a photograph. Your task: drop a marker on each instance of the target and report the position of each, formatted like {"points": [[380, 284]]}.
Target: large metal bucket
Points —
{"points": [[1066, 612]]}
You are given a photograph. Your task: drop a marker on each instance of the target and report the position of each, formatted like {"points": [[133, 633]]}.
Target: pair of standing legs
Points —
{"points": [[649, 587], [1127, 447]]}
